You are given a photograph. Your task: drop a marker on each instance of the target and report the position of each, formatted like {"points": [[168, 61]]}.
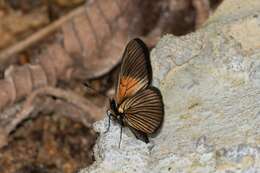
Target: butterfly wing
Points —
{"points": [[144, 111], [136, 72], [139, 134]]}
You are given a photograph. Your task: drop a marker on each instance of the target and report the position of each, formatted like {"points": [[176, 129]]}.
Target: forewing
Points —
{"points": [[136, 71], [144, 111]]}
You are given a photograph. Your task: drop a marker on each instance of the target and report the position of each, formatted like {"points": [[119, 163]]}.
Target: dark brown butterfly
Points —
{"points": [[137, 105]]}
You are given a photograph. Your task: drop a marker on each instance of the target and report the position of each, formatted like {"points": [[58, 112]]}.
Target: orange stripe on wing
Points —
{"points": [[128, 86]]}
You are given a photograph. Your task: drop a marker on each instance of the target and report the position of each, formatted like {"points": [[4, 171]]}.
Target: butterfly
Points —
{"points": [[136, 104]]}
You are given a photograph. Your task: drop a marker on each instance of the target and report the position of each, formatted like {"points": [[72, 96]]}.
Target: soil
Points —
{"points": [[48, 144]]}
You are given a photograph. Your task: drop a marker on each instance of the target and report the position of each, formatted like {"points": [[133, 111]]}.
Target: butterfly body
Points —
{"points": [[137, 105], [116, 114]]}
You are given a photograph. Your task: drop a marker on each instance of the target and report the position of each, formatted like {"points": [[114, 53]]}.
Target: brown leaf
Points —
{"points": [[97, 38]]}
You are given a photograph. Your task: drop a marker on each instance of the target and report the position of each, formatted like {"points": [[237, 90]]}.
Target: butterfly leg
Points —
{"points": [[120, 136], [109, 119]]}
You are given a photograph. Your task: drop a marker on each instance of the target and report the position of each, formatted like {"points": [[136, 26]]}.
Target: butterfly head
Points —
{"points": [[113, 105], [113, 110], [115, 113]]}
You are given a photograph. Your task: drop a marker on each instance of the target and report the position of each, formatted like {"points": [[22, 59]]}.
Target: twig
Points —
{"points": [[86, 106], [34, 38], [80, 109]]}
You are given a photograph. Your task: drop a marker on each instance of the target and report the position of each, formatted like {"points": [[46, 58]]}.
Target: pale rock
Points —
{"points": [[210, 82]]}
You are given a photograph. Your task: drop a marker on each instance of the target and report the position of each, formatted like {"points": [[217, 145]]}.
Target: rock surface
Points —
{"points": [[210, 82]]}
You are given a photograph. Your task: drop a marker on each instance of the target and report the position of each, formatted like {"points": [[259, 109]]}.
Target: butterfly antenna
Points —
{"points": [[120, 136]]}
